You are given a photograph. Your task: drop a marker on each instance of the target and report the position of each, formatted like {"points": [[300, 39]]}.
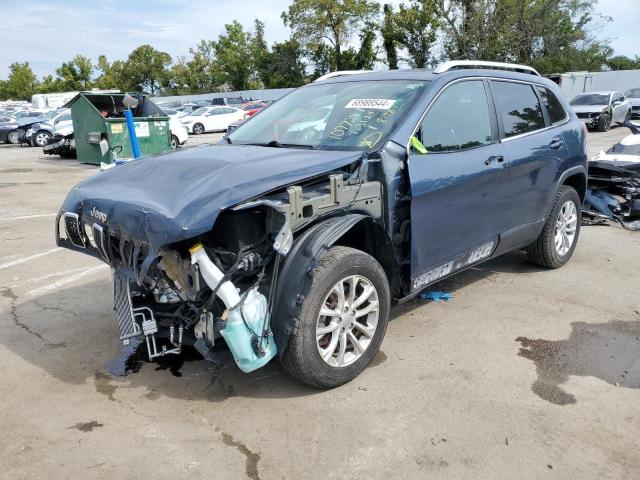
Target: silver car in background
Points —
{"points": [[598, 110], [633, 95]]}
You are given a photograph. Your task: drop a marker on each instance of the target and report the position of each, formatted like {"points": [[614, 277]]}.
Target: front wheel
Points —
{"points": [[198, 129], [559, 236], [342, 321], [604, 123], [40, 139]]}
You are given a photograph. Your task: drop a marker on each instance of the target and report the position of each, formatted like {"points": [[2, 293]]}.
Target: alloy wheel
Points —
{"points": [[41, 139], [347, 321], [566, 225]]}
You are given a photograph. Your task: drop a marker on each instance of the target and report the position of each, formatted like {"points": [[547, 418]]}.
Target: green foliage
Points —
{"points": [[416, 28], [145, 70], [233, 57], [551, 35], [314, 22], [366, 56], [21, 83], [389, 37], [621, 62], [285, 66], [73, 75]]}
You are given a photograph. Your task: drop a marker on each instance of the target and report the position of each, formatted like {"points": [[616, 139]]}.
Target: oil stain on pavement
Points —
{"points": [[608, 351], [87, 426]]}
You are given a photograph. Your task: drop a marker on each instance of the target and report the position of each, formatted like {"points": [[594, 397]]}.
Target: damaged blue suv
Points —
{"points": [[296, 234]]}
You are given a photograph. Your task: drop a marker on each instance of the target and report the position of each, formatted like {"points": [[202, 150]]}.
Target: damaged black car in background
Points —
{"points": [[613, 193], [293, 236]]}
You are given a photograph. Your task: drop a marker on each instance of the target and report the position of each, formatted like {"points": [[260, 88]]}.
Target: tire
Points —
{"points": [[341, 266], [40, 139], [12, 137], [627, 117], [198, 129], [175, 143], [545, 252], [604, 123]]}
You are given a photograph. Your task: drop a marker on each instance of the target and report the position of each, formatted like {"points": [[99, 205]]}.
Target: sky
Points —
{"points": [[47, 33]]}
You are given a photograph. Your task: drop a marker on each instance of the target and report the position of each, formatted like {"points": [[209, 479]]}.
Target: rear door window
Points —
{"points": [[518, 107], [459, 119], [556, 111]]}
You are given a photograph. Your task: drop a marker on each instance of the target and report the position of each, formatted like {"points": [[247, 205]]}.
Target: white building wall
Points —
{"points": [[574, 83]]}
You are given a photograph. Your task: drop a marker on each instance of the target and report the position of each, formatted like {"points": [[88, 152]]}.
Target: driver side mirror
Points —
{"points": [[616, 103]]}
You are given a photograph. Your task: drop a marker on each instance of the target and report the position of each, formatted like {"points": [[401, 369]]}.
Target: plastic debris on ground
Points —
{"points": [[437, 296]]}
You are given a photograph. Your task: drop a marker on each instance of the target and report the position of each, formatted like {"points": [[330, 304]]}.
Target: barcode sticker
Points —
{"points": [[374, 103]]}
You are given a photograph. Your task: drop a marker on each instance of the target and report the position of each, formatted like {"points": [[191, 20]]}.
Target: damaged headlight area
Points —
{"points": [[217, 285]]}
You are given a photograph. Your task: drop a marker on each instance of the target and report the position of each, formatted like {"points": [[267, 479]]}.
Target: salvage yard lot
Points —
{"points": [[525, 373]]}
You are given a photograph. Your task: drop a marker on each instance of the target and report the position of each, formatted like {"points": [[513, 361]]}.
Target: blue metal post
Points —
{"points": [[132, 133]]}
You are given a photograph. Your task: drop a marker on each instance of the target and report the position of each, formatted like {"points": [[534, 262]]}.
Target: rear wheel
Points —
{"points": [[342, 321], [12, 137], [175, 143], [198, 129], [559, 236]]}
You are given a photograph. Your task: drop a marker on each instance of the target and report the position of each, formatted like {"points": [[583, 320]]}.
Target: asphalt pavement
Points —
{"points": [[524, 373]]}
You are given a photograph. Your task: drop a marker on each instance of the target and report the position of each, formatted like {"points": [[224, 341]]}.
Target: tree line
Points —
{"points": [[553, 36]]}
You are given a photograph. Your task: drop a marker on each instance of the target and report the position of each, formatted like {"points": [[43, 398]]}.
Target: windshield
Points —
{"points": [[50, 116], [199, 111], [633, 93], [336, 116], [591, 99]]}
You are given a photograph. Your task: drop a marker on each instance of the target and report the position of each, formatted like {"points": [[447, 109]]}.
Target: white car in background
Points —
{"points": [[212, 119], [179, 134]]}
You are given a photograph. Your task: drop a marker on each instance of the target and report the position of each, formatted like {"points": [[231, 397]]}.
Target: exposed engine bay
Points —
{"points": [[220, 284]]}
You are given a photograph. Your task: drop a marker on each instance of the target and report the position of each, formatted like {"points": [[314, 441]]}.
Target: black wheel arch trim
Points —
{"points": [[295, 274]]}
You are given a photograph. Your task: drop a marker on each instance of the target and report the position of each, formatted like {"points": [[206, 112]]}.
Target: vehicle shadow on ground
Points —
{"points": [[72, 335]]}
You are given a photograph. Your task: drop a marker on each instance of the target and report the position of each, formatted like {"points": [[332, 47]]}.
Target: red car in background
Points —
{"points": [[253, 107]]}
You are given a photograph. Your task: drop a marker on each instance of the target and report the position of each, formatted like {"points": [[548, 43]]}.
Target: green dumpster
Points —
{"points": [[100, 129]]}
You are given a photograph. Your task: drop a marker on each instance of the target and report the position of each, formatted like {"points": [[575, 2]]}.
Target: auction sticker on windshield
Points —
{"points": [[374, 103]]}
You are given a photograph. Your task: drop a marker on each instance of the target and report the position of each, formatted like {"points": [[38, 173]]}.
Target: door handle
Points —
{"points": [[556, 143], [494, 158]]}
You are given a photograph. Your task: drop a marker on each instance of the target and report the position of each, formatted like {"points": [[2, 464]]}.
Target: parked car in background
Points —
{"points": [[212, 119], [179, 134], [598, 110], [41, 130], [282, 245], [235, 101], [633, 95], [8, 132], [253, 107]]}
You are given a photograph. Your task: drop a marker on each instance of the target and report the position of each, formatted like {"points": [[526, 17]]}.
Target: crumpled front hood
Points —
{"points": [[588, 108], [167, 198]]}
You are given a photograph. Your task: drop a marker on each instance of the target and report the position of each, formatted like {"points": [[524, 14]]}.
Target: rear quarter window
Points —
{"points": [[556, 111], [518, 107]]}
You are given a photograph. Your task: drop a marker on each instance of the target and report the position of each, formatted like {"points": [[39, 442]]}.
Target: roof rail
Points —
{"points": [[340, 73], [459, 64]]}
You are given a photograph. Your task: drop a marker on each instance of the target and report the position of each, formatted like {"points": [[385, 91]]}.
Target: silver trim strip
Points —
{"points": [[453, 64], [76, 219]]}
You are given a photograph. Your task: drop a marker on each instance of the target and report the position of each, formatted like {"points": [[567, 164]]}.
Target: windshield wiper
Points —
{"points": [[277, 144], [229, 141]]}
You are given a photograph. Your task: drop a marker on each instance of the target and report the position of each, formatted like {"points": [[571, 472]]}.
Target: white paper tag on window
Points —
{"points": [[372, 103]]}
